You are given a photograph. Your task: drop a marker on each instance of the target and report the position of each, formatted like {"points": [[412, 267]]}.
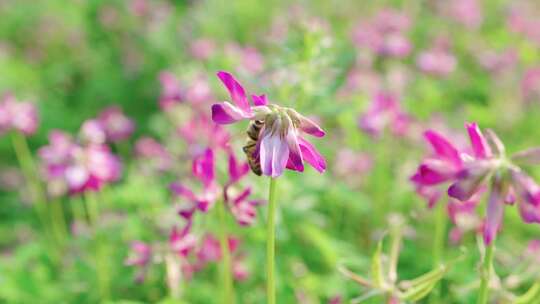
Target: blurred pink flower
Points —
{"points": [[384, 111], [116, 125], [280, 143], [249, 59], [438, 60], [140, 254], [182, 242], [385, 34], [523, 19], [92, 167], [530, 85], [17, 115], [202, 48], [153, 154], [466, 12], [93, 132], [352, 166], [171, 91]]}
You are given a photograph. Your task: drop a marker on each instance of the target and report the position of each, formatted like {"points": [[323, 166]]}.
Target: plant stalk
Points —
{"points": [[270, 244]]}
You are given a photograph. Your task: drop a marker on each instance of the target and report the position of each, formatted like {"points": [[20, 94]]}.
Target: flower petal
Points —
{"points": [[470, 179], [295, 155], [478, 141], [203, 167], [528, 157], [226, 113], [238, 95], [442, 147], [494, 215], [311, 155], [260, 100], [274, 153], [310, 127]]}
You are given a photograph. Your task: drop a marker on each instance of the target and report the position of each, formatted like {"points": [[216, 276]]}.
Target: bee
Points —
{"points": [[253, 132]]}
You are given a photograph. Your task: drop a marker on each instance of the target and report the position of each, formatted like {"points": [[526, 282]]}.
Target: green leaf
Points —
{"points": [[376, 266], [422, 286], [532, 294]]}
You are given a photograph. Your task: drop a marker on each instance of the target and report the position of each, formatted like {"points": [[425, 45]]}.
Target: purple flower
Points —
{"points": [[93, 132], [182, 242], [385, 34], [153, 154], [55, 159], [384, 111], [279, 142], [202, 49], [243, 209], [468, 171], [140, 256], [438, 60], [93, 166], [530, 85], [466, 12], [17, 115], [171, 91], [204, 170], [116, 125]]}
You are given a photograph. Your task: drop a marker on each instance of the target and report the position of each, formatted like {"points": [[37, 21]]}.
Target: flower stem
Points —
{"points": [[270, 243], [58, 219], [439, 242], [483, 293], [226, 269], [101, 255], [26, 163]]}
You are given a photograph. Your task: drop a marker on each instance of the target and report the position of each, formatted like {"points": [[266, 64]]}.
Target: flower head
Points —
{"points": [[468, 171], [277, 139], [17, 115], [116, 124]]}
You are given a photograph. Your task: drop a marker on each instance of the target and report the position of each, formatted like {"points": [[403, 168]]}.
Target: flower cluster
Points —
{"points": [[385, 34], [279, 142], [470, 170], [111, 126], [69, 166], [384, 111], [17, 115]]}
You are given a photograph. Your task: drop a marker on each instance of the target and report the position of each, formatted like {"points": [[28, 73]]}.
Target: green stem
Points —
{"points": [[26, 162], [270, 243], [483, 293], [101, 254], [438, 244], [58, 219], [226, 270]]}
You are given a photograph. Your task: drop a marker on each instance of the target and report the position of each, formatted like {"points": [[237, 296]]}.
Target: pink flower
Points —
{"points": [[243, 209], [202, 49], [153, 154], [204, 171], [384, 111], [92, 167], [18, 115], [171, 91], [140, 256], [530, 85], [116, 125], [55, 159], [200, 132], [280, 143], [93, 132], [438, 60], [385, 34], [182, 242], [466, 12], [467, 172]]}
